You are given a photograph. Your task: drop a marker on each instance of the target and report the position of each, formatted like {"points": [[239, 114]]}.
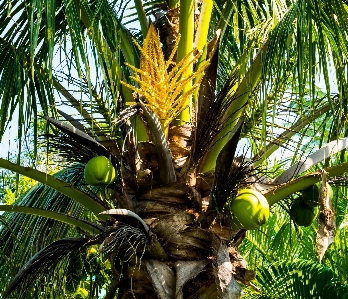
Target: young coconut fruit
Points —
{"points": [[99, 171], [311, 195], [302, 214], [250, 209]]}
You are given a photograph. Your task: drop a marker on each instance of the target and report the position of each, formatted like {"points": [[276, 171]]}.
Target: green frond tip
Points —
{"points": [[163, 89]]}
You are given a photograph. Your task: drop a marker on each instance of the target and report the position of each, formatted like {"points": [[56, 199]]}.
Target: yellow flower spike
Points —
{"points": [[161, 88]]}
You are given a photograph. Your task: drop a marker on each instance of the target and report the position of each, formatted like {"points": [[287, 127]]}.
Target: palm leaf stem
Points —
{"points": [[123, 214], [167, 172], [200, 42], [83, 224], [285, 190], [137, 123], [202, 59], [65, 188], [141, 17], [288, 133], [186, 31], [319, 156], [203, 25]]}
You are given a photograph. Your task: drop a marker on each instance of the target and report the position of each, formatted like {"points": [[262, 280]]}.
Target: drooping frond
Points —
{"points": [[161, 83], [128, 217], [42, 263], [64, 262]]}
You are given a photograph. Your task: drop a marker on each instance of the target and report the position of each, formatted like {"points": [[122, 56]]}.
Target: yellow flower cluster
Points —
{"points": [[160, 87]]}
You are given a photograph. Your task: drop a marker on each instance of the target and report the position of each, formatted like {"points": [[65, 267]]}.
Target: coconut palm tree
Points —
{"points": [[170, 106]]}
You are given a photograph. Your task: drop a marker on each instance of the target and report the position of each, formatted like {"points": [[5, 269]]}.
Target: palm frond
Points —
{"points": [[322, 154], [43, 262], [298, 279], [278, 240], [82, 138], [83, 224], [125, 242], [66, 150], [23, 235], [299, 40], [59, 28]]}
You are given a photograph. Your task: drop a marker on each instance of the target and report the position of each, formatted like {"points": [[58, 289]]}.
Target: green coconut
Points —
{"points": [[302, 214], [99, 171], [311, 195], [250, 209]]}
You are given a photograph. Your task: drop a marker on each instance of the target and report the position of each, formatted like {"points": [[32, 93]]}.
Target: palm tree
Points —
{"points": [[167, 105]]}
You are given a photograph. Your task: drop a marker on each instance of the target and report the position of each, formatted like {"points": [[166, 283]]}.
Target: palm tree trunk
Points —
{"points": [[195, 262]]}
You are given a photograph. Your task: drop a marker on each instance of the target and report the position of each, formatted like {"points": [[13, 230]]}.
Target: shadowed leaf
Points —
{"points": [[79, 136], [224, 181]]}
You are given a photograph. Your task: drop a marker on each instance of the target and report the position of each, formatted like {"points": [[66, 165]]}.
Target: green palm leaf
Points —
{"points": [[299, 279], [17, 230]]}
